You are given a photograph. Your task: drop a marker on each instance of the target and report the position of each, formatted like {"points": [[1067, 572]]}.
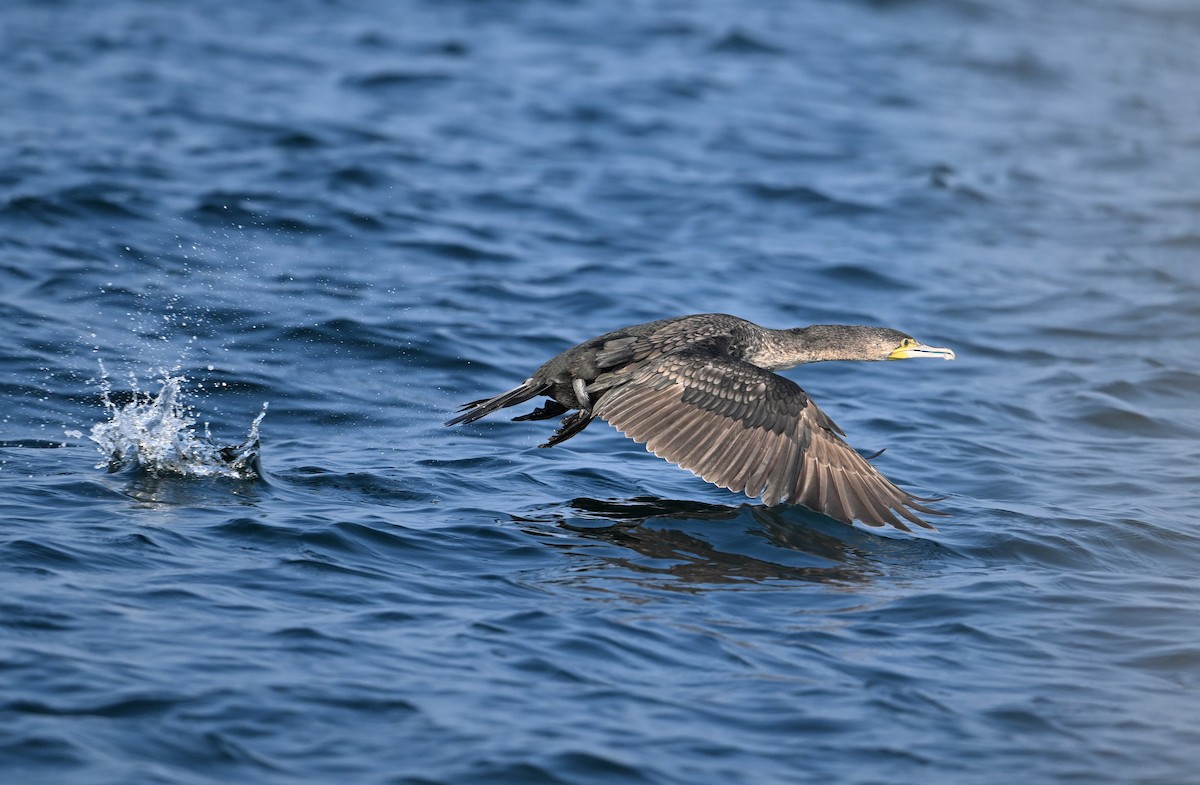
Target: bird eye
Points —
{"points": [[907, 342]]}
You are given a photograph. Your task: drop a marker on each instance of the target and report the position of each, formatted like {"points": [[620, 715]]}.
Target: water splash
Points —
{"points": [[157, 433]]}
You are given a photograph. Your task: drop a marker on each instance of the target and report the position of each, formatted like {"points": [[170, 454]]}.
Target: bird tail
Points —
{"points": [[470, 412]]}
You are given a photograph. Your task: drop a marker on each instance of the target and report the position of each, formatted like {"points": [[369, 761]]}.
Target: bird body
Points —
{"points": [[701, 392]]}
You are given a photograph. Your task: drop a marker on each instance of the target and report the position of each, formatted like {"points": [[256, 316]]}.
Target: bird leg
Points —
{"points": [[571, 424], [552, 408]]}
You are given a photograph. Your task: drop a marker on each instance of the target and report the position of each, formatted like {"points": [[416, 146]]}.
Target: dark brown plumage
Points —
{"points": [[700, 392]]}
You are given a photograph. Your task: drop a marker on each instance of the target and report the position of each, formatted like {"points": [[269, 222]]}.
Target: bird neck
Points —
{"points": [[813, 344]]}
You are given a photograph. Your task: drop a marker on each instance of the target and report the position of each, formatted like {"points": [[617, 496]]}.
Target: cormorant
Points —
{"points": [[700, 392]]}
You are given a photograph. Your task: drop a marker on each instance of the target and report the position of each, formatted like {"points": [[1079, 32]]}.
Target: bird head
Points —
{"points": [[899, 346]]}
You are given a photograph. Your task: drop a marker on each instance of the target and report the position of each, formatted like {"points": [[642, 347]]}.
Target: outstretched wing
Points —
{"points": [[750, 430]]}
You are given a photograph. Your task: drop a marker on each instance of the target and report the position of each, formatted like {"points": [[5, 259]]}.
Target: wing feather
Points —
{"points": [[749, 430], [777, 488]]}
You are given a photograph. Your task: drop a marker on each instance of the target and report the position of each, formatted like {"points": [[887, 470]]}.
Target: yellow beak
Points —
{"points": [[921, 350]]}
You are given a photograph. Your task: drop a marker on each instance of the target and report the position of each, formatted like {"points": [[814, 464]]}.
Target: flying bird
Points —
{"points": [[701, 392]]}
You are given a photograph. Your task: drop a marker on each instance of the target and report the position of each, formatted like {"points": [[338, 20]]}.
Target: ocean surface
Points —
{"points": [[308, 231]]}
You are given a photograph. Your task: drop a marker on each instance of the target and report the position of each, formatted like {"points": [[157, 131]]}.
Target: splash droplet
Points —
{"points": [[157, 433]]}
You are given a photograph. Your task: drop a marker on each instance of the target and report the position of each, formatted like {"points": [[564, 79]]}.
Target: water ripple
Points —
{"points": [[367, 214]]}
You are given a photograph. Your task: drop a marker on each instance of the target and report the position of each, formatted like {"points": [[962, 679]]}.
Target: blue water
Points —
{"points": [[366, 213]]}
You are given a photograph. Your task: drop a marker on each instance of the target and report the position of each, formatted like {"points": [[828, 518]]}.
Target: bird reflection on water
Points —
{"points": [[690, 562]]}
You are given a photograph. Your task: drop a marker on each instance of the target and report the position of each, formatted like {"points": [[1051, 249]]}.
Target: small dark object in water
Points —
{"points": [[700, 392]]}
